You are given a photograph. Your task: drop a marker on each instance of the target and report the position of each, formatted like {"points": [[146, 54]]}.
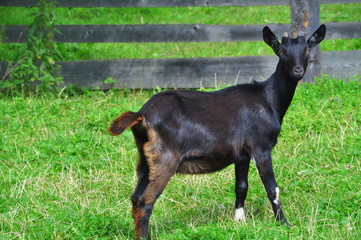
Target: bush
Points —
{"points": [[37, 68]]}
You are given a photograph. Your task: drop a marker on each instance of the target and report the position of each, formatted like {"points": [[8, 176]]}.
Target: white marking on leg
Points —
{"points": [[239, 216], [277, 200]]}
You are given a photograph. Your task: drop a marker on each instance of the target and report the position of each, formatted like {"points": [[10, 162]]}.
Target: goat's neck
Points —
{"points": [[282, 89]]}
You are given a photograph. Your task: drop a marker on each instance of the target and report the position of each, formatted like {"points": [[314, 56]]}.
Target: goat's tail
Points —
{"points": [[124, 121]]}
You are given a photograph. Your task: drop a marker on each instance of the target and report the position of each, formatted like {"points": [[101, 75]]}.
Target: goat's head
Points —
{"points": [[294, 52]]}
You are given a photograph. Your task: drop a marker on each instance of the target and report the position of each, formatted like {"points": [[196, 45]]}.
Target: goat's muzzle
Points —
{"points": [[298, 71]]}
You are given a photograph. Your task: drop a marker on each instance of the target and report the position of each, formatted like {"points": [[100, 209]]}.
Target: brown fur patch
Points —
{"points": [[152, 147], [190, 167], [152, 151], [162, 165], [195, 163], [138, 215], [123, 122]]}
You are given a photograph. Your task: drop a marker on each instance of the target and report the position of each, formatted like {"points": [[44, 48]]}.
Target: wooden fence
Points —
{"points": [[190, 72]]}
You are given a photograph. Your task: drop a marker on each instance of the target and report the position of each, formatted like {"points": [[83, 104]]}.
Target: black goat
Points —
{"points": [[201, 132]]}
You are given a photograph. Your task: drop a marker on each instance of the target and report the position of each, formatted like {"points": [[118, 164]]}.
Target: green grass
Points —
{"points": [[213, 15], [63, 177]]}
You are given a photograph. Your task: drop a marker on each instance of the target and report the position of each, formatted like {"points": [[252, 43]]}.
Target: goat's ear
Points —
{"points": [[317, 36], [270, 38]]}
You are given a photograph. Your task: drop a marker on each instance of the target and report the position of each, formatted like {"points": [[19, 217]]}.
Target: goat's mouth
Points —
{"points": [[297, 76]]}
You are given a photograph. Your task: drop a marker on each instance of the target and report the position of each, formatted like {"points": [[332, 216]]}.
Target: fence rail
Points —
{"points": [[204, 72], [184, 73], [172, 32], [157, 3]]}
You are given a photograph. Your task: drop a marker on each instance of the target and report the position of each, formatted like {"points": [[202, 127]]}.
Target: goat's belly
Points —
{"points": [[203, 164]]}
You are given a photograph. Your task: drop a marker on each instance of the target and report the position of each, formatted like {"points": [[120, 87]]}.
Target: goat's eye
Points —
{"points": [[281, 53]]}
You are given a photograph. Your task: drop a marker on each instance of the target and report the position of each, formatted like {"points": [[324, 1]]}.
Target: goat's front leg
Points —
{"points": [[241, 171], [264, 166]]}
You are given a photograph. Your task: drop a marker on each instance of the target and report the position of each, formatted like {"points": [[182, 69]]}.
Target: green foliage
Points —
{"points": [[63, 177], [36, 68]]}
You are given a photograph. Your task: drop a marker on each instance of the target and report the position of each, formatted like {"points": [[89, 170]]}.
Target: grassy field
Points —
{"points": [[63, 177]]}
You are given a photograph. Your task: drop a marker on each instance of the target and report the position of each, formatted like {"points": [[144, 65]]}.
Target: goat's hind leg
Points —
{"points": [[148, 190], [264, 166], [140, 136], [241, 172], [143, 182]]}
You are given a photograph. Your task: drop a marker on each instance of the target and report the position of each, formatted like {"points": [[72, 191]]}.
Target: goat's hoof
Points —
{"points": [[239, 216], [284, 222]]}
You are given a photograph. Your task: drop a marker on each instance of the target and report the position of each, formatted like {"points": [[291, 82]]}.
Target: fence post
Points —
{"points": [[305, 16]]}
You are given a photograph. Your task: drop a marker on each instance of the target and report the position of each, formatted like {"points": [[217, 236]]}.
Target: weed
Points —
{"points": [[36, 67]]}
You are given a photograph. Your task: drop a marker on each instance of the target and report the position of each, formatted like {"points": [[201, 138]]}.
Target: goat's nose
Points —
{"points": [[298, 69]]}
